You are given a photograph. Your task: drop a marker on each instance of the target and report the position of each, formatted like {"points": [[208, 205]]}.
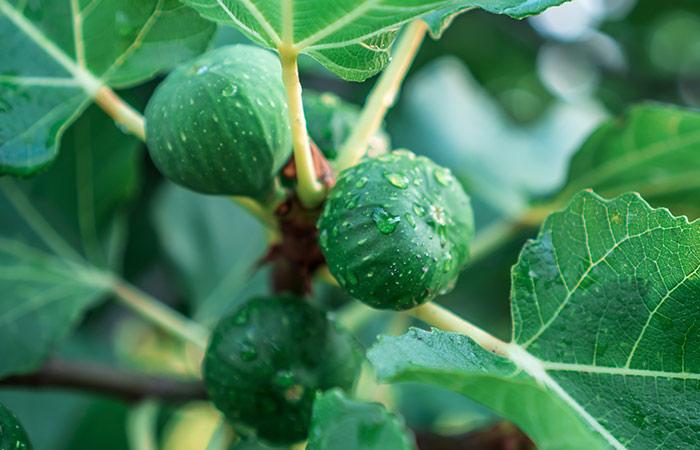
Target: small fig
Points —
{"points": [[219, 124], [266, 362], [396, 230]]}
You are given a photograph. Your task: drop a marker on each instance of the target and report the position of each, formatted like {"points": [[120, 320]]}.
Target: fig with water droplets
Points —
{"points": [[396, 230], [266, 361], [219, 124], [12, 434]]}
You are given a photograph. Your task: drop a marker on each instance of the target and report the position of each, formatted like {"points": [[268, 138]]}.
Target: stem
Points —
{"points": [[264, 216], [158, 313], [383, 95], [99, 379], [434, 314], [311, 192], [141, 426], [131, 120]]}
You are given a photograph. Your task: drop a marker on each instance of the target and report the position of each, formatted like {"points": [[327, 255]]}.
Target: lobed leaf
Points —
{"points": [[340, 423], [604, 306], [352, 38], [57, 54], [43, 299], [653, 149]]}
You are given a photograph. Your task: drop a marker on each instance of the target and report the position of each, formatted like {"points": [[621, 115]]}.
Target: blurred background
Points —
{"points": [[503, 103]]}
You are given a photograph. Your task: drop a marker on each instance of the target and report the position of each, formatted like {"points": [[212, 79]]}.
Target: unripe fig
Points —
{"points": [[266, 362], [396, 230], [330, 120], [12, 434], [219, 124]]}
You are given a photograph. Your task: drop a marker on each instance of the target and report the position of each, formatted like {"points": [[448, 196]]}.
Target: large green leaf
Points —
{"points": [[56, 54], [653, 150], [605, 312], [340, 423], [350, 37], [51, 226], [83, 196], [43, 297]]}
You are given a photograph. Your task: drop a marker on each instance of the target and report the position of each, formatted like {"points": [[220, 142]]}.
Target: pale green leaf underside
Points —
{"points": [[653, 150], [350, 37], [42, 298], [341, 423], [456, 363], [605, 311], [57, 53]]}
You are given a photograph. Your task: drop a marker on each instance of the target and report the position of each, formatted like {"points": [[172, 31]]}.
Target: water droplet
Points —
{"points": [[352, 278], [248, 352], [442, 234], [353, 202], [242, 317], [419, 210], [442, 176], [397, 180], [361, 182], [448, 264], [385, 222], [230, 90], [284, 379], [323, 239], [409, 218], [202, 70], [183, 137]]}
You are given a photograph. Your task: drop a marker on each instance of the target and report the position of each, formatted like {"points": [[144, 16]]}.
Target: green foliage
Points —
{"points": [[56, 56], [242, 141], [396, 230], [352, 38], [340, 423], [45, 297], [200, 235], [330, 120], [652, 149], [12, 434], [604, 349], [266, 362], [594, 266]]}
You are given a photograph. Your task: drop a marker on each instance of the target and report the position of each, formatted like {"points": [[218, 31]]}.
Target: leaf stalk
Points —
{"points": [[310, 190], [383, 95]]}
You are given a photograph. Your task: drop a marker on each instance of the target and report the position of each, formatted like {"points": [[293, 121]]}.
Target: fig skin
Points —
{"points": [[266, 362], [396, 230], [219, 124]]}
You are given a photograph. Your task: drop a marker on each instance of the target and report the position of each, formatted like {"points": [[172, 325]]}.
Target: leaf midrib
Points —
{"points": [[89, 82]]}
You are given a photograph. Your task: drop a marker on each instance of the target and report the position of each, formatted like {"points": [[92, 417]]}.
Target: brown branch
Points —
{"points": [[500, 436], [126, 385]]}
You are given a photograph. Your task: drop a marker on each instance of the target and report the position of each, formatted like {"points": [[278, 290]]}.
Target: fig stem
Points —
{"points": [[127, 117], [310, 190], [263, 215], [160, 314], [383, 95], [434, 314]]}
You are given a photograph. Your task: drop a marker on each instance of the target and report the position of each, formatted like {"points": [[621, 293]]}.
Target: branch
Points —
{"points": [[383, 95], [128, 386]]}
